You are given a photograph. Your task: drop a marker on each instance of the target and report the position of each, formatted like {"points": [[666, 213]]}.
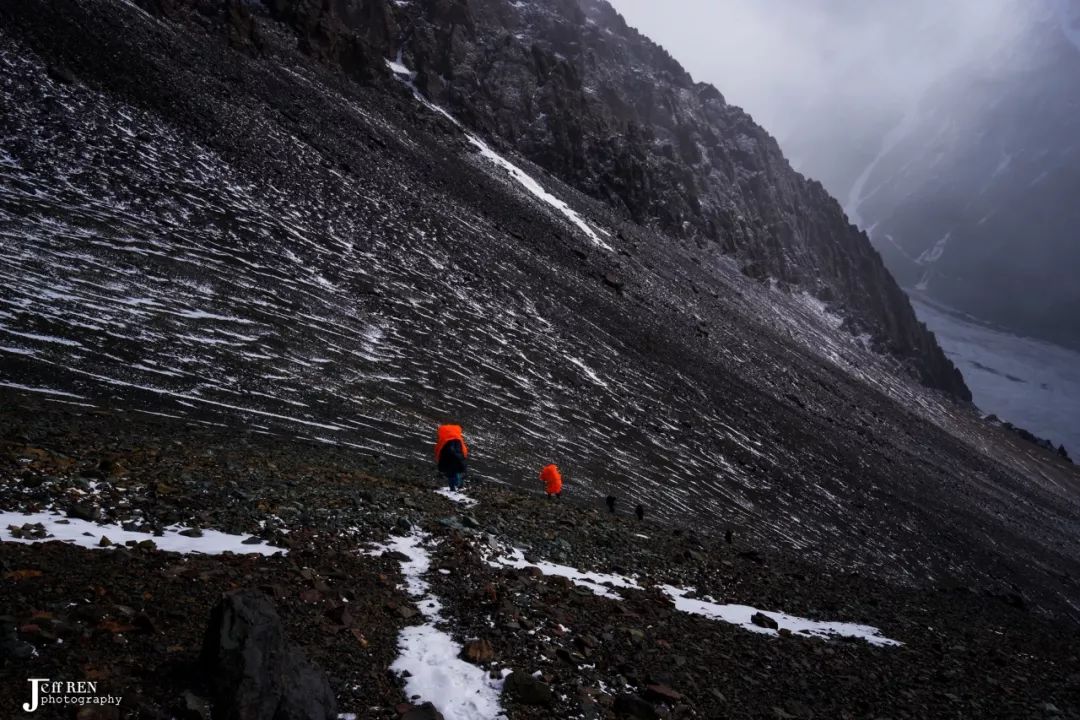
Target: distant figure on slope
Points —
{"points": [[451, 454], [552, 481], [610, 504], [640, 511]]}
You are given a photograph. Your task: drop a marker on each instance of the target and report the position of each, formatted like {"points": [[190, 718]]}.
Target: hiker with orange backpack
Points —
{"points": [[451, 454], [552, 480]]}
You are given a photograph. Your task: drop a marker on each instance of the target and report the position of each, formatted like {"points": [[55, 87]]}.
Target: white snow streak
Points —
{"points": [[602, 584], [605, 584], [740, 615], [88, 535], [459, 690], [456, 497], [522, 177]]}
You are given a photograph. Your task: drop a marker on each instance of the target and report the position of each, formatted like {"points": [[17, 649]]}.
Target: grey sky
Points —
{"points": [[788, 61]]}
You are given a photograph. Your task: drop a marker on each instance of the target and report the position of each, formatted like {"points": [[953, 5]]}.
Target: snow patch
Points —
{"points": [[459, 498], [740, 615], [530, 184], [88, 535], [519, 175], [602, 584], [436, 673]]}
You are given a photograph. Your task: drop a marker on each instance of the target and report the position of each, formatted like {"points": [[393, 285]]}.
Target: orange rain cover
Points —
{"points": [[552, 479], [446, 434]]}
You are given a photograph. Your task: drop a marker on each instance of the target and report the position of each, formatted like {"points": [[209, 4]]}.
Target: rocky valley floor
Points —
{"points": [[367, 547]]}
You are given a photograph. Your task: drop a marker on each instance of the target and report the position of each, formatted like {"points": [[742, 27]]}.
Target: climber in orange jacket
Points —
{"points": [[552, 481], [451, 454]]}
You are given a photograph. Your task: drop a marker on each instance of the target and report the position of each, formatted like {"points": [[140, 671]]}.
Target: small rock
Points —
{"points": [[340, 615], [197, 708], [478, 651], [763, 620], [104, 542], [527, 690], [662, 693], [191, 532], [84, 511]]}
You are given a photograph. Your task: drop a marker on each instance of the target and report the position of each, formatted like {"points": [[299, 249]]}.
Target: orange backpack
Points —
{"points": [[552, 479], [445, 435]]}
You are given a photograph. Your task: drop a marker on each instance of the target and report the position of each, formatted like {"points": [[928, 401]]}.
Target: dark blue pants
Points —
{"points": [[456, 480]]}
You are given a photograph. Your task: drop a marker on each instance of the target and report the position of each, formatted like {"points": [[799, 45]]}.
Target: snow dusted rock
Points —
{"points": [[256, 674]]}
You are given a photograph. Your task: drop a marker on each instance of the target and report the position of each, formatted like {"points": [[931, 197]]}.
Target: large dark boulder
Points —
{"points": [[254, 671]]}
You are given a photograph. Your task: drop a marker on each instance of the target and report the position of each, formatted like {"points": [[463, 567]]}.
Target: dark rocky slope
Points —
{"points": [[567, 84], [133, 618], [220, 232]]}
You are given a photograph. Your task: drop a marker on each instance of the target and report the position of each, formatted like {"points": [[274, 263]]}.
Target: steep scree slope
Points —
{"points": [[571, 87], [198, 219]]}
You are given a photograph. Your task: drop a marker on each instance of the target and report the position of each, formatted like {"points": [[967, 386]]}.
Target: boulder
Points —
{"points": [[527, 690], [255, 673]]}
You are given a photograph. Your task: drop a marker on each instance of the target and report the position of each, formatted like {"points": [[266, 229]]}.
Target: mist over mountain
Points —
{"points": [[948, 130]]}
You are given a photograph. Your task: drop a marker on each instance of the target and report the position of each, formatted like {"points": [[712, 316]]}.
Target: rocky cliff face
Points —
{"points": [[568, 84], [971, 199], [571, 87]]}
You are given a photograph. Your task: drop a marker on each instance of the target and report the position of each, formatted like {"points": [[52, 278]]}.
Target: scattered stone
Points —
{"points": [[193, 532]]}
